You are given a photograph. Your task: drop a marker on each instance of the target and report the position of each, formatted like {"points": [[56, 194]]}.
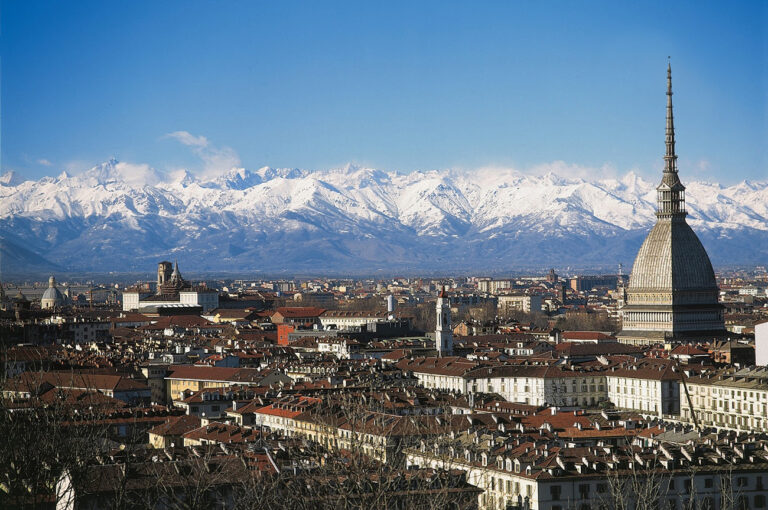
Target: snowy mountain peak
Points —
{"points": [[114, 172], [182, 177], [125, 215], [238, 178], [11, 178]]}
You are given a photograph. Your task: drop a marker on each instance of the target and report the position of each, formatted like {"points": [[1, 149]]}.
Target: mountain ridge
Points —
{"points": [[124, 217]]}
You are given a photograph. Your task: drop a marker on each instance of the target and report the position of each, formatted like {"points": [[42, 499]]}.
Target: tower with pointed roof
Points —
{"points": [[443, 329], [672, 294], [176, 275]]}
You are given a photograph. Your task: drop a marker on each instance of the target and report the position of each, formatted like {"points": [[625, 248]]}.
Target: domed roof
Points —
{"points": [[52, 296], [672, 258], [53, 293]]}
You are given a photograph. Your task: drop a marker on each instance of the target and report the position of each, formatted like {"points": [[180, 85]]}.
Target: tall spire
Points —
{"points": [[176, 275], [671, 192], [670, 158]]}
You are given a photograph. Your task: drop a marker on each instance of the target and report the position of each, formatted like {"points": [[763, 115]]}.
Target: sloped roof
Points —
{"points": [[177, 425], [450, 366], [293, 312]]}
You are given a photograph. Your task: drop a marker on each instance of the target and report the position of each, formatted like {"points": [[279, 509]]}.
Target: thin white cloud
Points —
{"points": [[571, 170], [139, 174], [216, 160], [44, 162], [703, 166], [77, 166], [559, 168], [187, 138]]}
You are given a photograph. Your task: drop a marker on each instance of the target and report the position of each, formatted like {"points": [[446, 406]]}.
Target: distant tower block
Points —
{"points": [[391, 306], [443, 332]]}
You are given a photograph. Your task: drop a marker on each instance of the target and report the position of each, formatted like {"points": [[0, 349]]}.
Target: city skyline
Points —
{"points": [[396, 88], [431, 255]]}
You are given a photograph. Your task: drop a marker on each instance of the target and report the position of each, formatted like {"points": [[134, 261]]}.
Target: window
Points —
{"points": [[709, 483], [760, 501], [554, 491]]}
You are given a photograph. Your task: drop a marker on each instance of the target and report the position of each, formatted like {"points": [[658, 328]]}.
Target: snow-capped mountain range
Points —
{"points": [[123, 217]]}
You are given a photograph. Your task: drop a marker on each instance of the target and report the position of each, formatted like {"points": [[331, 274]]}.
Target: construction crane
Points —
{"points": [[688, 397]]}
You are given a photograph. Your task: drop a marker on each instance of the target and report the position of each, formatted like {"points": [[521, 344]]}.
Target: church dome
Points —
{"points": [[52, 297], [672, 258]]}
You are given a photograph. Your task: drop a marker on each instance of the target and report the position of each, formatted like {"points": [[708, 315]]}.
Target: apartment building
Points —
{"points": [[731, 401], [650, 386], [540, 384]]}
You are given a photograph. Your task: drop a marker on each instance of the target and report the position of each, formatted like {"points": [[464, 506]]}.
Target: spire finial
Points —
{"points": [[670, 159]]}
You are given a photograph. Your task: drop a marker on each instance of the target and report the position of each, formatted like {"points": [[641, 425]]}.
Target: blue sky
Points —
{"points": [[393, 85]]}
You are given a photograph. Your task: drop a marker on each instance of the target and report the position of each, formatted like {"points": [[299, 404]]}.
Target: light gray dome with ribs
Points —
{"points": [[672, 258]]}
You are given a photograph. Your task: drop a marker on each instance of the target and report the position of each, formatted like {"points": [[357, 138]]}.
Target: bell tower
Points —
{"points": [[443, 331]]}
